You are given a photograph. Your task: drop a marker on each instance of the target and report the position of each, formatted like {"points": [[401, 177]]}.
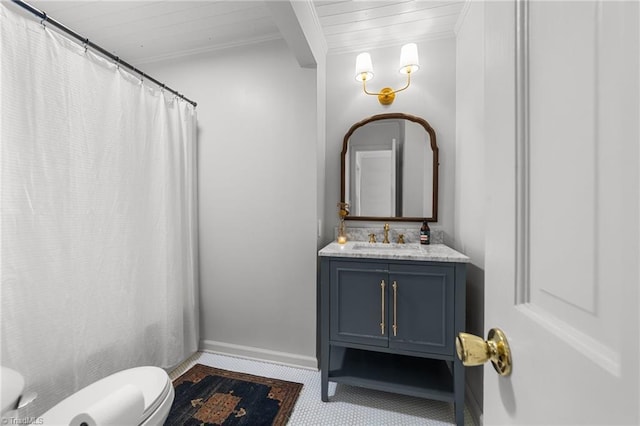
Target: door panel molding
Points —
{"points": [[601, 354], [522, 278], [571, 312]]}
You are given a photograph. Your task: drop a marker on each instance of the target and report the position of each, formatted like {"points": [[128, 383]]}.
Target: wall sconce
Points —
{"points": [[408, 64]]}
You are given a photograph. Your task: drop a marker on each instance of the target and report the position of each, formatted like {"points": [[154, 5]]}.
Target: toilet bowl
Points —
{"points": [[153, 382]]}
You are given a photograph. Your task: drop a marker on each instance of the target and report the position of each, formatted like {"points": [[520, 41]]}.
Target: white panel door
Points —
{"points": [[376, 182], [562, 255]]}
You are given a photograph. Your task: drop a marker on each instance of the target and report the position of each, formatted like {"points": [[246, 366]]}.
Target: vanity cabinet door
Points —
{"points": [[421, 308], [359, 303]]}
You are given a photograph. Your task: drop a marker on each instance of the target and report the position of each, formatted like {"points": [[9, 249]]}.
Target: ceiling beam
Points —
{"points": [[300, 28]]}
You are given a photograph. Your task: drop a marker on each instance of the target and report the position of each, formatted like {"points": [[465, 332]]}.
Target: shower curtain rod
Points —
{"points": [[86, 42]]}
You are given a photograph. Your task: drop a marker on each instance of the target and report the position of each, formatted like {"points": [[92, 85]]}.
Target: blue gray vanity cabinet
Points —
{"points": [[390, 325]]}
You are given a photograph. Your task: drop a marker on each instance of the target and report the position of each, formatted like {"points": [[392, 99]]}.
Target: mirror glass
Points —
{"points": [[389, 169]]}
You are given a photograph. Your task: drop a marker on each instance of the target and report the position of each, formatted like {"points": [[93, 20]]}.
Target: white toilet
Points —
{"points": [[106, 395]]}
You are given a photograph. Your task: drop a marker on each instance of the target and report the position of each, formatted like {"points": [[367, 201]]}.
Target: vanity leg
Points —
{"points": [[324, 392], [458, 368], [458, 374], [459, 414], [325, 347], [324, 373]]}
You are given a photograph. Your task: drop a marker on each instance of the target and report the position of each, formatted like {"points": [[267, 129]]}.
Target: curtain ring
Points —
{"points": [[117, 60], [85, 44], [43, 20]]}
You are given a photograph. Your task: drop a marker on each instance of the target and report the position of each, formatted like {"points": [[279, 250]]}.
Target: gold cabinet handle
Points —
{"points": [[395, 308], [382, 285], [474, 350]]}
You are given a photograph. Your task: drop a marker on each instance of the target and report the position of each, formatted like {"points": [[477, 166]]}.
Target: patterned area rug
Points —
{"points": [[211, 396]]}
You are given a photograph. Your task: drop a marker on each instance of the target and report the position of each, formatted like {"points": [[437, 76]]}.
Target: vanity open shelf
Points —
{"points": [[407, 375], [388, 320]]}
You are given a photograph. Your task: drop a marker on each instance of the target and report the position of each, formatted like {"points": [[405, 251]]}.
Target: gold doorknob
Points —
{"points": [[473, 350]]}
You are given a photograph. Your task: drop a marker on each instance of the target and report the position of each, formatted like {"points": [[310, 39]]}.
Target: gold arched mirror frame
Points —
{"points": [[431, 216]]}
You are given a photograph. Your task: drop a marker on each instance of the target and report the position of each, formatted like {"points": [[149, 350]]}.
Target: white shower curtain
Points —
{"points": [[98, 216]]}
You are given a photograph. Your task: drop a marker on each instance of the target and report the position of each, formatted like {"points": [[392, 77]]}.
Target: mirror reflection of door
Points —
{"points": [[375, 156], [375, 185]]}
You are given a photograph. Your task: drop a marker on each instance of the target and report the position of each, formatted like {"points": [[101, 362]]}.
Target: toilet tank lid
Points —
{"points": [[154, 383]]}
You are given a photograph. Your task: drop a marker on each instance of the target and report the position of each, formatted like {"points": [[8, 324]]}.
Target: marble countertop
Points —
{"points": [[393, 251]]}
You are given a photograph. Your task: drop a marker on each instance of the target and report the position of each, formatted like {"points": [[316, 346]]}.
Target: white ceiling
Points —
{"points": [[145, 31], [351, 26]]}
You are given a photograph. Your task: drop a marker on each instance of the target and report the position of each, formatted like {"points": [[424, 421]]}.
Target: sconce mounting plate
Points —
{"points": [[386, 96]]}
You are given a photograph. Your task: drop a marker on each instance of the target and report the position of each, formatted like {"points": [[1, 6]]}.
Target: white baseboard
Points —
{"points": [[259, 354], [472, 404]]}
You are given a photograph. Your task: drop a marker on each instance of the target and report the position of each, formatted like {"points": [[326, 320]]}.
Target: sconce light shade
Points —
{"points": [[409, 58], [364, 68]]}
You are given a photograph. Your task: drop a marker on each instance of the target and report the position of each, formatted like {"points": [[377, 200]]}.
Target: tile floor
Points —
{"points": [[348, 405]]}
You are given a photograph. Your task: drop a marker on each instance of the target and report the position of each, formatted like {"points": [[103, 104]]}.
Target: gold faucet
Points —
{"points": [[386, 234], [372, 238], [401, 239]]}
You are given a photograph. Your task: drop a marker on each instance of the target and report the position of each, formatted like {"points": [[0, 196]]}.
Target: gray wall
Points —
{"points": [[417, 193], [431, 96], [470, 190], [258, 202], [268, 180]]}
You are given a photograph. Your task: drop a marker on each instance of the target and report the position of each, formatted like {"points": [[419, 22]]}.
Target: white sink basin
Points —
{"points": [[12, 387], [384, 247]]}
